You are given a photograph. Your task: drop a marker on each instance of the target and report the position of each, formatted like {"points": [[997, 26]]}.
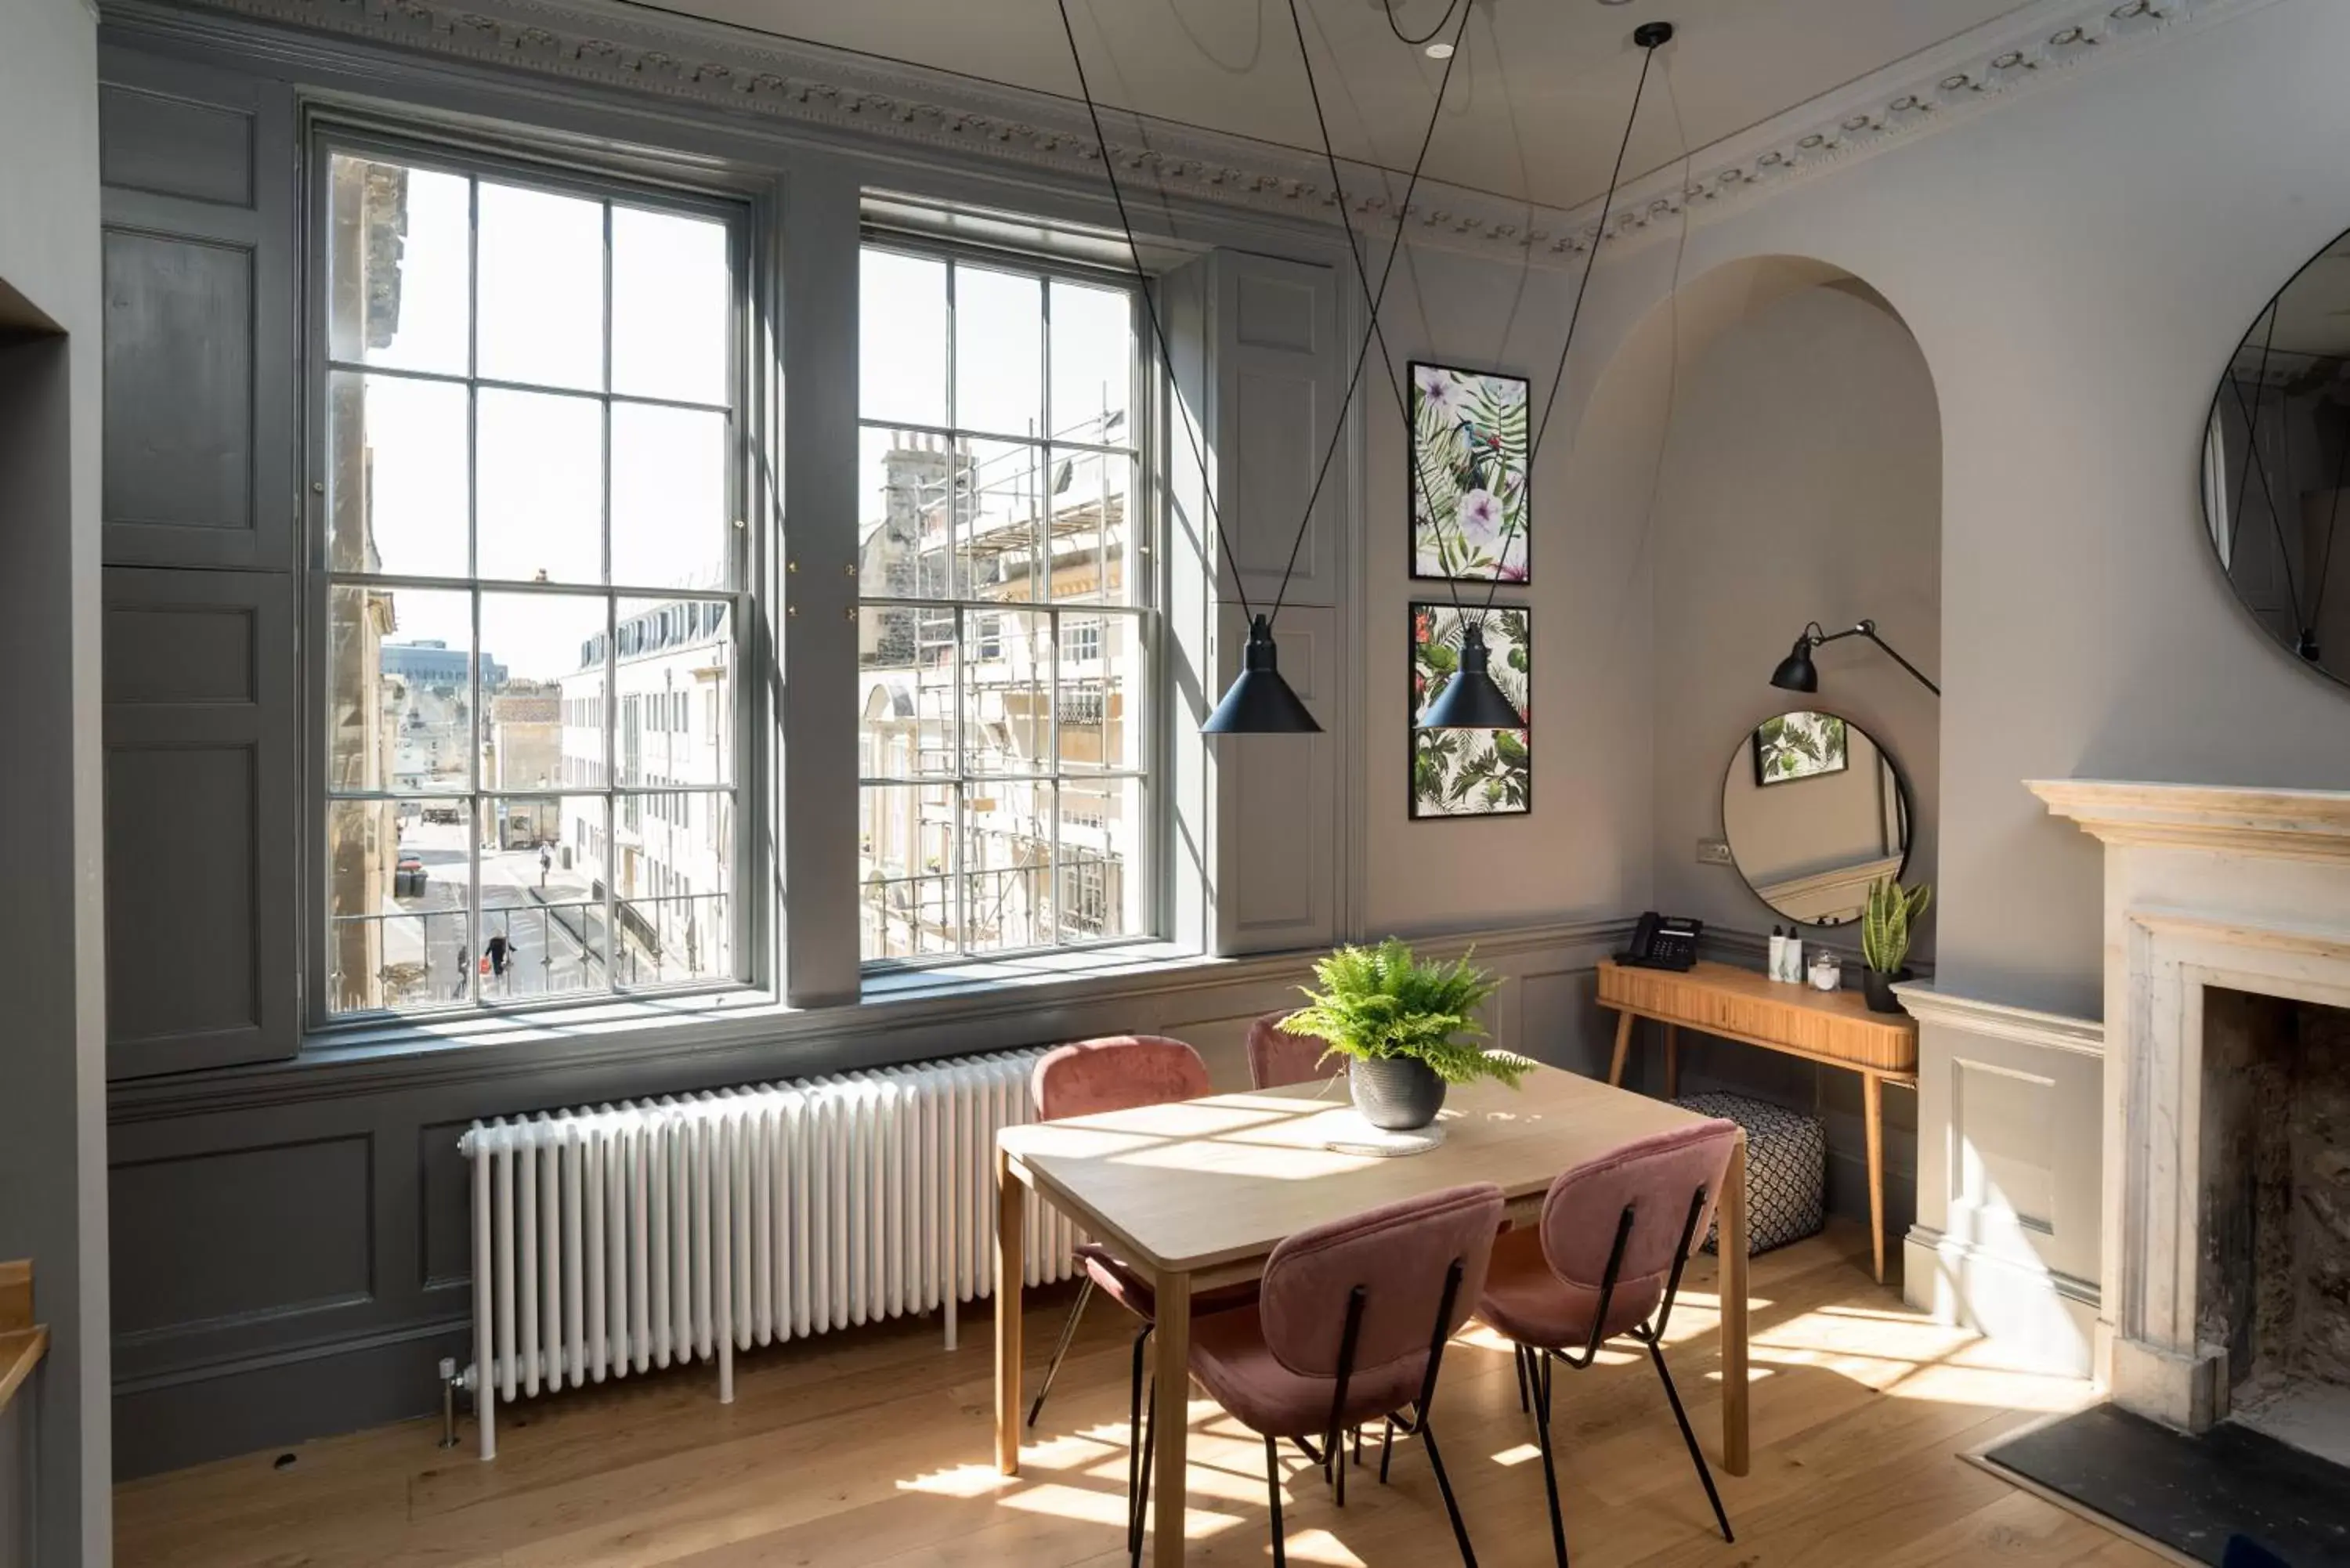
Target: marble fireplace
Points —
{"points": [[2226, 1234]]}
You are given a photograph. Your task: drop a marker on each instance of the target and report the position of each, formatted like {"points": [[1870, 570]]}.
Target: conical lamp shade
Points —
{"points": [[1796, 672], [1259, 701], [1470, 700]]}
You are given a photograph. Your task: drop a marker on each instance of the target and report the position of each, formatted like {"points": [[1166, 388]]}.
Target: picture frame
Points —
{"points": [[1450, 774], [1788, 753], [1470, 505]]}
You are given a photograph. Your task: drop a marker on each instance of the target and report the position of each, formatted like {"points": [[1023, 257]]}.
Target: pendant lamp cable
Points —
{"points": [[1151, 309], [1442, 22], [1374, 334]]}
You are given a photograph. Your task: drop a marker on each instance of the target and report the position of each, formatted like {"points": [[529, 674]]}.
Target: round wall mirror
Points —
{"points": [[1815, 812], [2276, 463]]}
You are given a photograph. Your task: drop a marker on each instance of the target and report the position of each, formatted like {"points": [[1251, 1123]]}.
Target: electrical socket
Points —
{"points": [[1713, 852]]}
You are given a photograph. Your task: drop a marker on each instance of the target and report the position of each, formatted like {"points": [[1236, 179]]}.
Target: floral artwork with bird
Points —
{"points": [[1470, 503]]}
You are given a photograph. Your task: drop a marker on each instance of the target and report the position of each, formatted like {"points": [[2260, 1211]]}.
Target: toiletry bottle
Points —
{"points": [[1778, 960], [1792, 956]]}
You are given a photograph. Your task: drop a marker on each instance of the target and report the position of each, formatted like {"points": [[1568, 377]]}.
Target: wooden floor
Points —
{"points": [[873, 1447]]}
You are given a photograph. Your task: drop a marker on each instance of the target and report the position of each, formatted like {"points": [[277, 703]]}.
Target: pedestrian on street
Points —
{"points": [[497, 953], [545, 861]]}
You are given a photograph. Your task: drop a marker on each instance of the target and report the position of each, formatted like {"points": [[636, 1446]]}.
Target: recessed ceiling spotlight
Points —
{"points": [[1439, 50]]}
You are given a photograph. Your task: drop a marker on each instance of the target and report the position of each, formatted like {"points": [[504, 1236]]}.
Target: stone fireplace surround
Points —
{"points": [[2208, 888]]}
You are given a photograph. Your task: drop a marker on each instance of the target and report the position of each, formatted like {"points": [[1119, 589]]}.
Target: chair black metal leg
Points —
{"points": [[1386, 1446], [1068, 1332], [1141, 1492], [1134, 1429], [1697, 1455], [1526, 1402], [1541, 1381], [1444, 1485], [1273, 1493]]}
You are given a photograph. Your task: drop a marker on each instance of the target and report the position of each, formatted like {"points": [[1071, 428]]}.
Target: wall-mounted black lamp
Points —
{"points": [[1471, 699], [1797, 673]]}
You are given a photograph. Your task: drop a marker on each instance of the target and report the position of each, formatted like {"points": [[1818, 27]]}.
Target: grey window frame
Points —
{"points": [[648, 183], [1147, 612]]}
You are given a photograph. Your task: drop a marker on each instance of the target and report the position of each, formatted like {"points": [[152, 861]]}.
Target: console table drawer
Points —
{"points": [[1834, 1026]]}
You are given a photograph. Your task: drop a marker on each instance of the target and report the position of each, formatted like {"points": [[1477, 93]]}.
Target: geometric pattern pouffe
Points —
{"points": [[1787, 1168]]}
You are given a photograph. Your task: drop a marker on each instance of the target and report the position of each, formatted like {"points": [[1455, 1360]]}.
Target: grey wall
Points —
{"points": [[52, 1128]]}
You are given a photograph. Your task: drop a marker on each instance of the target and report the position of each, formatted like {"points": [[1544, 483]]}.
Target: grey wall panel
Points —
{"points": [[175, 147], [1279, 883], [201, 1238], [445, 1250], [200, 315], [200, 808], [179, 382], [1280, 378]]}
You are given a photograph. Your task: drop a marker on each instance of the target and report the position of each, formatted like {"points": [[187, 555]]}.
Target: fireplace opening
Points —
{"points": [[2274, 1286]]}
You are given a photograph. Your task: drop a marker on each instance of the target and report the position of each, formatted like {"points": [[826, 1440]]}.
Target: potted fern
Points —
{"points": [[1407, 1028], [1886, 927]]}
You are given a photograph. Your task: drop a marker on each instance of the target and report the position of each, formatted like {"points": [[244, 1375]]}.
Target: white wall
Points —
{"points": [[52, 1065]]}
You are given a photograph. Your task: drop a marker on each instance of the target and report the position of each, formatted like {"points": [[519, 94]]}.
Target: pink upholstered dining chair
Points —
{"points": [[1606, 1260], [1119, 1073], [1349, 1326], [1275, 1056]]}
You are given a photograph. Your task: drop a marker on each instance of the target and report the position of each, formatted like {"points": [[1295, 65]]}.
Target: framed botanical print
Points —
{"points": [[1471, 510], [1470, 773], [1800, 745]]}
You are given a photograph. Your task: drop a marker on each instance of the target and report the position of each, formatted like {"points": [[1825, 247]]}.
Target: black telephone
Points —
{"points": [[1664, 941]]}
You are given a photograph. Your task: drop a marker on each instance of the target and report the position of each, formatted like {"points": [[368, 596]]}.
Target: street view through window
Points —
{"points": [[531, 706], [1004, 633]]}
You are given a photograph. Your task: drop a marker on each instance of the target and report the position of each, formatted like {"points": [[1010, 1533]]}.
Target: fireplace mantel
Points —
{"points": [[2206, 886]]}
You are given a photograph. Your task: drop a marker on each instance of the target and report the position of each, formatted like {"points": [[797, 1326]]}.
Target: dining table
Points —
{"points": [[1196, 1194]]}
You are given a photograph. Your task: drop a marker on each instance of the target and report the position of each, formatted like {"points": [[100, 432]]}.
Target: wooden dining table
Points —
{"points": [[1196, 1194]]}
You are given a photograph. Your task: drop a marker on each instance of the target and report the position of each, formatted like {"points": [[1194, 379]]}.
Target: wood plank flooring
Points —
{"points": [[873, 1447]]}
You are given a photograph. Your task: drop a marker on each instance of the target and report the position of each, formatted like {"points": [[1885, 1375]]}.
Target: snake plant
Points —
{"points": [[1890, 921]]}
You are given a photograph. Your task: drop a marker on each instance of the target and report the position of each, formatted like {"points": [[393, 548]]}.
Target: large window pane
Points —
{"points": [[396, 265], [1102, 678], [540, 266], [1100, 880], [1007, 705], [540, 502], [1008, 865], [671, 526], [999, 352], [673, 674], [397, 890], [542, 929], [398, 488], [676, 940], [905, 691], [999, 513], [1093, 363], [400, 678], [901, 318], [1086, 499], [670, 294], [905, 870]]}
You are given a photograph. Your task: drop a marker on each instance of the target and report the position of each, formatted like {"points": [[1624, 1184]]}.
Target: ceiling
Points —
{"points": [[1537, 100]]}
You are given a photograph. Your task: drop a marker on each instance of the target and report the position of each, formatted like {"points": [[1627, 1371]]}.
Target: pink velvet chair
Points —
{"points": [[1606, 1261], [1349, 1326], [1119, 1073], [1275, 1056]]}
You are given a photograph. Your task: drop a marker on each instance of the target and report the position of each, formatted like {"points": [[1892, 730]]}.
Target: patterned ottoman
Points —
{"points": [[1787, 1168]]}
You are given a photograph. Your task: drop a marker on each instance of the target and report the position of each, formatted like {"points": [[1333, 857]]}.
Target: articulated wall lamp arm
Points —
{"points": [[1797, 673]]}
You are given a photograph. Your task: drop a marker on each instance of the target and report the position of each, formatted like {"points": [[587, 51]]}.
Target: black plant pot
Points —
{"points": [[1877, 986], [1395, 1093]]}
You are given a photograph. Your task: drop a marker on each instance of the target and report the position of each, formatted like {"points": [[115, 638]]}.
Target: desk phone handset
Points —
{"points": [[1664, 941]]}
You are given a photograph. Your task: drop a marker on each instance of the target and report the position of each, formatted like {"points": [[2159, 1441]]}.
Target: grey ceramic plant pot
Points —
{"points": [[1397, 1093]]}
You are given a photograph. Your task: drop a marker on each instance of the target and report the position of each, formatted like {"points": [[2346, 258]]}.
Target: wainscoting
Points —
{"points": [[291, 1244], [2010, 1185]]}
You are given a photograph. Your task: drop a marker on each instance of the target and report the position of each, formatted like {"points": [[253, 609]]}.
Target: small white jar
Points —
{"points": [[1827, 972]]}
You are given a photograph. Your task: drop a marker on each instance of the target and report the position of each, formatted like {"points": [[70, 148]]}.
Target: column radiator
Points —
{"points": [[613, 1240]]}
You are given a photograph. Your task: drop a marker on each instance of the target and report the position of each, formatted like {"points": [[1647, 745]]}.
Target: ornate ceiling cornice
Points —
{"points": [[686, 61]]}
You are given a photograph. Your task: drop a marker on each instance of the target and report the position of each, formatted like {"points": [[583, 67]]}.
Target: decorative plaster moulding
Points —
{"points": [[2001, 1021], [687, 60], [2300, 823]]}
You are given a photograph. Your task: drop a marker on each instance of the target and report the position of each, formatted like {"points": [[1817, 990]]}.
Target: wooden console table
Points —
{"points": [[1833, 1028]]}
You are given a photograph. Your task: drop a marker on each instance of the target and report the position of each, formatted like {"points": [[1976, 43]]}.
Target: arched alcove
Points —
{"points": [[1771, 432]]}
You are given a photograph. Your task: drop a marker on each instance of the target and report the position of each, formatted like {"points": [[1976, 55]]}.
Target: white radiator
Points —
{"points": [[618, 1239]]}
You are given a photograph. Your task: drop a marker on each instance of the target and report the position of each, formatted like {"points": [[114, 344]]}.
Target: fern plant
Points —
{"points": [[1377, 1002], [1890, 921]]}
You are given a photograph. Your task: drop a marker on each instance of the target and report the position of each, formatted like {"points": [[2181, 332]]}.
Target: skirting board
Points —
{"points": [[2041, 1321]]}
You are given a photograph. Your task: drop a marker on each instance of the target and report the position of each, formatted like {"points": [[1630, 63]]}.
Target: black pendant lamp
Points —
{"points": [[1259, 701], [1471, 699]]}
